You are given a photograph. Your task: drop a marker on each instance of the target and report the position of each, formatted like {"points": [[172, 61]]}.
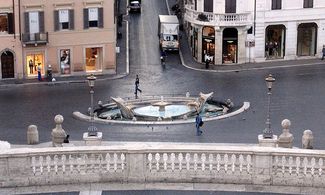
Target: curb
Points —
{"points": [[80, 116]]}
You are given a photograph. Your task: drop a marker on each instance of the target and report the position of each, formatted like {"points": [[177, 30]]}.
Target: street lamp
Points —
{"points": [[267, 133], [92, 130]]}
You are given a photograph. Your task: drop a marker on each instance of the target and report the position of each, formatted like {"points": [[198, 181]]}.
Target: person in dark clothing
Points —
{"points": [[66, 139], [198, 124], [137, 83], [323, 51]]}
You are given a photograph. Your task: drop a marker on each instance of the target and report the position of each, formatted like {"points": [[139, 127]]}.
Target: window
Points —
{"points": [[308, 3], [276, 4], [93, 17], [208, 5], [6, 23], [230, 6], [64, 19], [34, 22]]}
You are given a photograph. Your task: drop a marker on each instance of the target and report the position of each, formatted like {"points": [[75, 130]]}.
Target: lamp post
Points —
{"points": [[92, 130], [267, 133]]}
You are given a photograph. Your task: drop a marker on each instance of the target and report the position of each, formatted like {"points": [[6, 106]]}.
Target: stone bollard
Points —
{"points": [[58, 134], [286, 138], [307, 140], [32, 135]]}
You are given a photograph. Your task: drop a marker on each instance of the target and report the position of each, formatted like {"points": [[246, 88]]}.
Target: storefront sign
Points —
{"points": [[63, 16], [93, 14]]}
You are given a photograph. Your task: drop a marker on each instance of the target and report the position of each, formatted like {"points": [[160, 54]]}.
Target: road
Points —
{"points": [[297, 95]]}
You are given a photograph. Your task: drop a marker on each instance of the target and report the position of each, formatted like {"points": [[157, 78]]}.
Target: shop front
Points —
{"points": [[208, 43], [229, 47], [34, 61], [275, 42], [7, 64], [94, 59], [307, 39]]}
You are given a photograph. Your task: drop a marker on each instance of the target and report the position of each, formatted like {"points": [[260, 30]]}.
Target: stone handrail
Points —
{"points": [[227, 19], [190, 166]]}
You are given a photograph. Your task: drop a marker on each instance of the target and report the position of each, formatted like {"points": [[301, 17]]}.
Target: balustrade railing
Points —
{"points": [[164, 163], [227, 19]]}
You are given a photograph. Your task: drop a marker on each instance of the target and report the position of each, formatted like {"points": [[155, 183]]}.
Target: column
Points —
{"points": [[241, 55], [218, 45]]}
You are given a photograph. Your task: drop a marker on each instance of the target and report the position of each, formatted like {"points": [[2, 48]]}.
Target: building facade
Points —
{"points": [[243, 31], [76, 37]]}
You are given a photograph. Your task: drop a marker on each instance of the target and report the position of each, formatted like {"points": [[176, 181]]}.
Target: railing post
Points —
{"points": [[263, 169], [136, 167]]}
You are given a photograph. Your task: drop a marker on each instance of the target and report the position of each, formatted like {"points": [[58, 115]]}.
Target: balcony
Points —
{"points": [[35, 38], [213, 19]]}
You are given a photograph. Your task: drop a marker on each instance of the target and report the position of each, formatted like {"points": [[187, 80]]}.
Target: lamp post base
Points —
{"points": [[267, 142], [93, 140]]}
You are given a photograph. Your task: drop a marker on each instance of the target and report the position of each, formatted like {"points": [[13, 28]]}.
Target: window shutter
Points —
{"points": [[71, 19], [86, 19], [56, 20], [26, 22], [11, 23], [100, 18], [41, 22]]}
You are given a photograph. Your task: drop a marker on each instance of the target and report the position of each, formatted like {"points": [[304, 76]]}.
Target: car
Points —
{"points": [[135, 6]]}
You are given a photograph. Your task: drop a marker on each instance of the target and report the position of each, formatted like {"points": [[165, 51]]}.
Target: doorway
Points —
{"points": [[7, 65], [208, 43], [229, 47], [275, 41], [307, 39], [93, 59]]}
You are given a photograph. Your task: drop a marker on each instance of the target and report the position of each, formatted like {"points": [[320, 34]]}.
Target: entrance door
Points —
{"points": [[7, 65], [230, 6], [307, 39], [229, 46]]}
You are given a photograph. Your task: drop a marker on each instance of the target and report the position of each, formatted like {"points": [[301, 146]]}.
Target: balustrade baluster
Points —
{"points": [[122, 161], [180, 160], [165, 158], [225, 160], [233, 161], [150, 161], [297, 165], [108, 161], [195, 157], [188, 159], [172, 158], [115, 161], [210, 162], [157, 158], [320, 164], [241, 161]]}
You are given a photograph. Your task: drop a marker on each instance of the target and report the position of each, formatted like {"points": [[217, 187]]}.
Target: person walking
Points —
{"points": [[39, 75], [198, 124], [323, 51], [137, 83]]}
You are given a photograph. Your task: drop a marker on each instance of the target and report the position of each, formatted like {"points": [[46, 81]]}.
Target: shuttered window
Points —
{"points": [[7, 23], [276, 4], [63, 20], [308, 3], [93, 17], [38, 21]]}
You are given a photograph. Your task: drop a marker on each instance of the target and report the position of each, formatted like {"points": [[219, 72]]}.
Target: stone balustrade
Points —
{"points": [[189, 166], [213, 19]]}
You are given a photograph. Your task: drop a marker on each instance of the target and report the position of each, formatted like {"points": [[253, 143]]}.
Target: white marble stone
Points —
{"points": [[267, 142], [93, 140]]}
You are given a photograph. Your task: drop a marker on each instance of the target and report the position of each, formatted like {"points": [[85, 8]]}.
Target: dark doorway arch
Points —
{"points": [[208, 43], [229, 45], [307, 39], [7, 64], [275, 41]]}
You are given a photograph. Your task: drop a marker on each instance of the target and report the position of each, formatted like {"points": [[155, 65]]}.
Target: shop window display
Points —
{"points": [[33, 61], [65, 61], [93, 59]]}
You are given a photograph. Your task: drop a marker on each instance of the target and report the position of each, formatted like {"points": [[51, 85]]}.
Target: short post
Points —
{"points": [[286, 138], [307, 140], [58, 133], [32, 135]]}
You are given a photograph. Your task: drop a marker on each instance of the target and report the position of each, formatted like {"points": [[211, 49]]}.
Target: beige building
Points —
{"points": [[75, 37]]}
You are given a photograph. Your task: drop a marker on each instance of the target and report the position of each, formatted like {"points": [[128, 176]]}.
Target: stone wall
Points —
{"points": [[181, 166]]}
